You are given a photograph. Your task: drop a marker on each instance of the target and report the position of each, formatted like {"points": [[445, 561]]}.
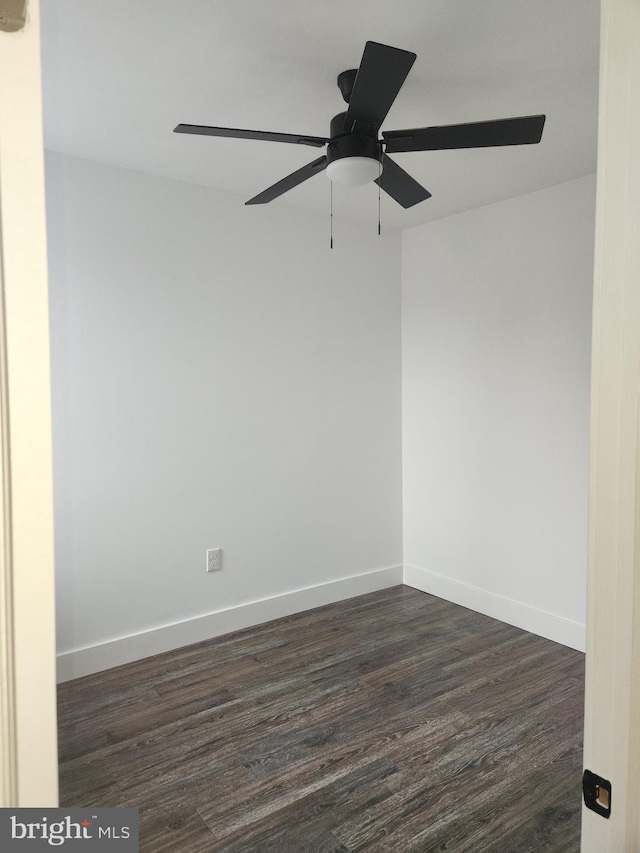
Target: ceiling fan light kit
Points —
{"points": [[355, 153], [353, 171]]}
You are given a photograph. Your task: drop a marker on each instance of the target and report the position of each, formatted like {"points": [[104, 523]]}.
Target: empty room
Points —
{"points": [[320, 293]]}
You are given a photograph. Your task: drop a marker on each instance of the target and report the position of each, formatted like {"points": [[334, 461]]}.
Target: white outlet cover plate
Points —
{"points": [[214, 559]]}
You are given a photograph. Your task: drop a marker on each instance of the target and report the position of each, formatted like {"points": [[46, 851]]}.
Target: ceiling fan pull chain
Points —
{"points": [[331, 191], [379, 181]]}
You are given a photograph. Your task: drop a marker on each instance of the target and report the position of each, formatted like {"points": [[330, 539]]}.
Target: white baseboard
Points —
{"points": [[79, 662], [540, 622]]}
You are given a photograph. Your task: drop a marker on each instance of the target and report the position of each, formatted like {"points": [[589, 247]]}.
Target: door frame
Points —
{"points": [[28, 736], [612, 697]]}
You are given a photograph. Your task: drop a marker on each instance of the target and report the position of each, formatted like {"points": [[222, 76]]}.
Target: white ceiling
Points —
{"points": [[119, 75]]}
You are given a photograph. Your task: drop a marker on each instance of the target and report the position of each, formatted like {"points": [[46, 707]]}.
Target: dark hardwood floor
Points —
{"points": [[389, 723]]}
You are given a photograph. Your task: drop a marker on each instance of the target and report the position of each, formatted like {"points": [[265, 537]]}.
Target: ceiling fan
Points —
{"points": [[355, 155]]}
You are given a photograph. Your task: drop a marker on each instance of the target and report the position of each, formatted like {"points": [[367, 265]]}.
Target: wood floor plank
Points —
{"points": [[324, 807], [395, 722], [480, 775], [177, 829]]}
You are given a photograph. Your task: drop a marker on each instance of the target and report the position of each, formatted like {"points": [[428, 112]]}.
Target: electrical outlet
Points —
{"points": [[214, 559]]}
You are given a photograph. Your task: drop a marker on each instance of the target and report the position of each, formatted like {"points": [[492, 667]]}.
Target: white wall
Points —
{"points": [[496, 360], [220, 378]]}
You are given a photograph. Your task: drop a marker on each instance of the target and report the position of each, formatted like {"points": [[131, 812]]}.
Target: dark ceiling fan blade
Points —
{"points": [[382, 72], [525, 130], [203, 130], [290, 181], [400, 185]]}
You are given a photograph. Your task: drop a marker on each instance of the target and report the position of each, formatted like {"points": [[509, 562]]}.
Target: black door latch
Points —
{"points": [[597, 793]]}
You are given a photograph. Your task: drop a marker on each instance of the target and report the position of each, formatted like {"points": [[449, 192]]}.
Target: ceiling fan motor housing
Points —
{"points": [[345, 145]]}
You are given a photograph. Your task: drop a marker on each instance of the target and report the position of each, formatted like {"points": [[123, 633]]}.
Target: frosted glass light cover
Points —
{"points": [[353, 171]]}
